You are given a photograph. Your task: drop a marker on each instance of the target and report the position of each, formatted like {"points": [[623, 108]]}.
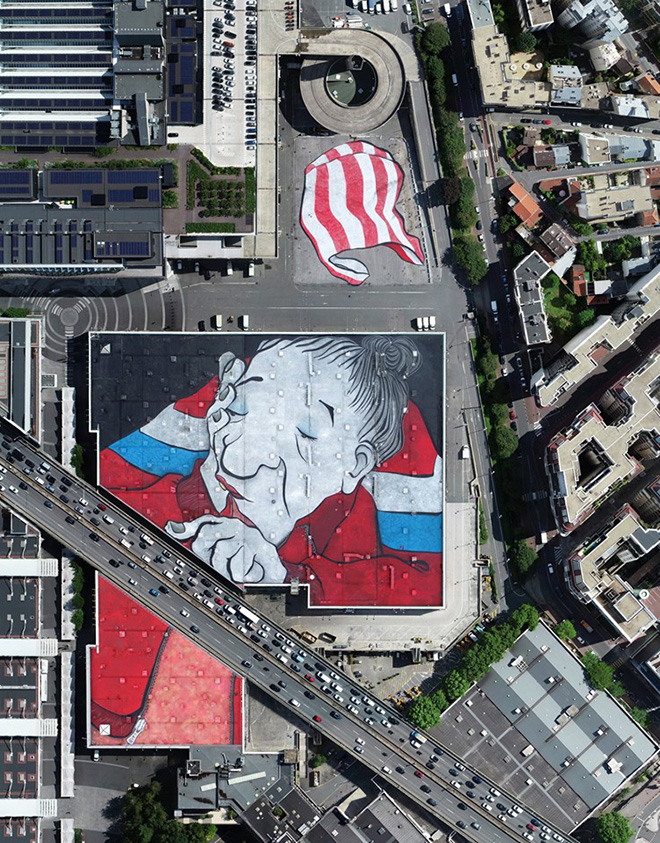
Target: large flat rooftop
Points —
{"points": [[538, 727]]}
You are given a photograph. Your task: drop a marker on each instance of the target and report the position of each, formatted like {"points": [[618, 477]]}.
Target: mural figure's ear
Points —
{"points": [[365, 461]]}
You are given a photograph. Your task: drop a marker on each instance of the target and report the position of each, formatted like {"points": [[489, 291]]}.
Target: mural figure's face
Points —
{"points": [[292, 441]]}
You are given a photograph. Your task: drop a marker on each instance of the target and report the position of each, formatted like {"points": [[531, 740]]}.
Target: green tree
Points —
{"points": [[518, 251], [503, 441], [523, 558], [440, 700], [463, 212], [614, 828], [641, 715], [424, 712], [524, 617], [582, 227], [435, 39], [77, 461], [469, 255], [507, 222], [565, 630], [615, 251], [592, 259], [526, 42], [318, 760], [455, 685], [585, 317], [450, 189], [483, 526], [599, 674]]}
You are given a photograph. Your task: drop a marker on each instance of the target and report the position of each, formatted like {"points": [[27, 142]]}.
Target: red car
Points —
{"points": [[547, 122], [512, 415], [419, 774], [309, 678], [318, 719]]}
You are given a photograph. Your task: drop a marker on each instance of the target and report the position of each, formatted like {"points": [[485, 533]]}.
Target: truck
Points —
{"points": [[386, 7], [493, 307], [247, 614], [447, 10], [417, 736]]}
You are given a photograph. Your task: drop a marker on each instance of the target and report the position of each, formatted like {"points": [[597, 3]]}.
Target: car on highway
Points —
{"points": [[546, 122], [461, 824], [317, 719], [153, 592], [194, 629]]}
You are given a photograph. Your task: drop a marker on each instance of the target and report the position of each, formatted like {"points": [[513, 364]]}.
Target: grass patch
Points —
{"points": [[170, 199], [567, 315]]}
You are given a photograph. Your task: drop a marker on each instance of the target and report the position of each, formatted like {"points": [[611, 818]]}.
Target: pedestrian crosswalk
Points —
{"points": [[476, 153]]}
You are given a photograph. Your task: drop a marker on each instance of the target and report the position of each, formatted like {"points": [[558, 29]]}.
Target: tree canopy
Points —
{"points": [[469, 255], [599, 674], [523, 558], [435, 39], [614, 828], [591, 258], [565, 630], [145, 820], [526, 42], [503, 441], [425, 712]]}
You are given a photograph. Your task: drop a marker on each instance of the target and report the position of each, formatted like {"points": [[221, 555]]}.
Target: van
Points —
{"points": [[125, 542], [295, 703], [46, 466], [454, 79], [251, 269], [145, 557], [387, 770], [145, 538], [245, 322], [168, 574], [282, 658], [337, 686], [108, 519], [216, 322], [323, 677], [230, 268], [447, 9]]}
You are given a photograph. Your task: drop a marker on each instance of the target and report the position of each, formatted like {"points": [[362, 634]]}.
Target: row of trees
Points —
{"points": [[456, 186], [426, 711]]}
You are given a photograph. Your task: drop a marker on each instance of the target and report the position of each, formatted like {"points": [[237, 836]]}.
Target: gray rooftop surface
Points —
{"points": [[518, 708]]}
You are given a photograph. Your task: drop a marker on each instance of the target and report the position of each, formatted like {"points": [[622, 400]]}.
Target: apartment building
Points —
{"points": [[528, 292], [582, 355], [605, 445], [593, 574]]}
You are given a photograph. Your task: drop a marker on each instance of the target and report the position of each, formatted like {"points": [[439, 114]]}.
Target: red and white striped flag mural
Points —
{"points": [[349, 202]]}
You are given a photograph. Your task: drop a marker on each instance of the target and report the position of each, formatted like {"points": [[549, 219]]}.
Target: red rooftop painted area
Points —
{"points": [[151, 685]]}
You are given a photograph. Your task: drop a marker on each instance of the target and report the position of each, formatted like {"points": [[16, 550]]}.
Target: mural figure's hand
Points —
{"points": [[230, 370], [237, 551]]}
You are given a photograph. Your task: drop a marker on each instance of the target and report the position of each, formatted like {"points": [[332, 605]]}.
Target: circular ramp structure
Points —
{"points": [[352, 81]]}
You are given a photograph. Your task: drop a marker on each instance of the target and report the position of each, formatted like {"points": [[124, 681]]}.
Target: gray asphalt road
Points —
{"points": [[250, 645]]}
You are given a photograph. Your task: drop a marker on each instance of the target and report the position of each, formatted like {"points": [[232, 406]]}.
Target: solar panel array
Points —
{"points": [[182, 92], [36, 15], [53, 104], [93, 83], [75, 176], [22, 37], [56, 59], [123, 248], [15, 177], [132, 176], [120, 195]]}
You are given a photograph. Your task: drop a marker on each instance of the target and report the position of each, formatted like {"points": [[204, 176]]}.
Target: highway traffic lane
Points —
{"points": [[228, 648]]}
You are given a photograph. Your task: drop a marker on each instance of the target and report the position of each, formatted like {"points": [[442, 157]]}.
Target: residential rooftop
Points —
{"points": [[528, 291], [594, 454], [594, 578], [582, 355]]}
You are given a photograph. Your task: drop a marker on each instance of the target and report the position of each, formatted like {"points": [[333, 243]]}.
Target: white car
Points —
{"points": [[551, 570]]}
